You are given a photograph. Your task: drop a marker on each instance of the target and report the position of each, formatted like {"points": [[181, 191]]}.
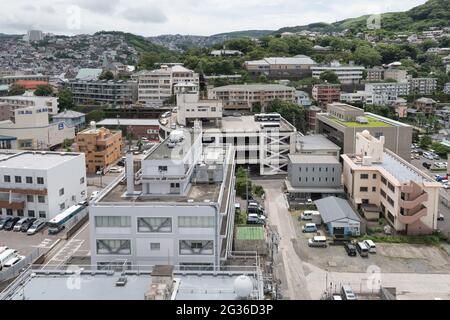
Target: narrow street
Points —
{"points": [[290, 267]]}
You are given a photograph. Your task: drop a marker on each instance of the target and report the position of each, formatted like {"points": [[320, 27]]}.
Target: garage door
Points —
{"points": [[338, 231]]}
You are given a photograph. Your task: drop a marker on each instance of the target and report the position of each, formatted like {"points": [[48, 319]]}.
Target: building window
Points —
{"points": [[115, 247], [391, 202], [7, 178], [31, 213], [195, 222], [112, 222], [363, 189], [20, 213], [9, 212], [196, 247], [82, 180], [391, 187], [18, 179], [383, 194], [62, 206], [162, 168], [383, 180], [42, 214], [364, 176], [374, 189], [29, 180], [30, 198], [61, 191], [40, 180], [155, 246], [374, 176], [155, 225]]}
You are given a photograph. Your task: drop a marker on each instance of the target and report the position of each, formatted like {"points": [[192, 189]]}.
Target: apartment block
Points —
{"points": [[178, 207], [342, 121], [103, 91], [157, 86], [280, 68], [27, 100], [389, 89], [326, 93], [246, 96], [422, 85], [347, 74], [102, 147], [405, 196], [40, 184], [191, 108], [425, 105]]}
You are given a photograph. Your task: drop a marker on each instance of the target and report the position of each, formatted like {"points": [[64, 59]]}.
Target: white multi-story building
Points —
{"points": [[40, 184], [191, 108], [385, 92], [157, 86], [178, 208], [422, 85], [347, 74], [26, 100], [33, 130]]}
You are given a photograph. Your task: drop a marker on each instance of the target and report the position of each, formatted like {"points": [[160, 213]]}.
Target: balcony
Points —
{"points": [[12, 202], [413, 218], [411, 204]]}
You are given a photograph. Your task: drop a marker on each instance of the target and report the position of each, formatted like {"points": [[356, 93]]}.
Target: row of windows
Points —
{"points": [[366, 189], [365, 176], [31, 198], [154, 224], [123, 247], [318, 179], [30, 213], [18, 179], [313, 169]]}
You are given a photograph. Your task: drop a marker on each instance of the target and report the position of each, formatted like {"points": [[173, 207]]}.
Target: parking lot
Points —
{"points": [[25, 244], [390, 258]]}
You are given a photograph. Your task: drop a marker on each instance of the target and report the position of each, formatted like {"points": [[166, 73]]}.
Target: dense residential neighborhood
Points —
{"points": [[253, 165]]}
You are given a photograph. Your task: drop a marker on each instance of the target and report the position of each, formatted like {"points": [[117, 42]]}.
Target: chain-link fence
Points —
{"points": [[13, 271]]}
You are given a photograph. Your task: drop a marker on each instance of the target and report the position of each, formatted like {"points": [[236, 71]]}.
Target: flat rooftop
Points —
{"points": [[248, 124], [396, 167], [301, 158], [40, 160], [372, 122], [177, 152], [129, 122], [254, 87], [91, 286], [315, 142]]}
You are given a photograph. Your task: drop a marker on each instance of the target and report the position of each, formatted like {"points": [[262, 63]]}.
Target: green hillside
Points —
{"points": [[433, 13]]}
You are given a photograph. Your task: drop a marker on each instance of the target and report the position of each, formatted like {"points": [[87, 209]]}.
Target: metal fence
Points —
{"points": [[13, 271]]}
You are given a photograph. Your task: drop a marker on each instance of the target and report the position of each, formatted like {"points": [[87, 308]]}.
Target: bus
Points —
{"points": [[267, 125], [57, 224], [267, 117]]}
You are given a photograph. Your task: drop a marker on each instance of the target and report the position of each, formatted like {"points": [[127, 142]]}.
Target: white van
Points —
{"points": [[309, 227], [6, 256], [307, 215], [362, 249], [318, 241], [15, 259], [371, 245]]}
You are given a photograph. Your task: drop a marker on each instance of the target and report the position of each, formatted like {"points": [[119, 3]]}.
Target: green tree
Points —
{"points": [[43, 91], [65, 99], [278, 47], [425, 141], [106, 75], [16, 90], [367, 56], [329, 76]]}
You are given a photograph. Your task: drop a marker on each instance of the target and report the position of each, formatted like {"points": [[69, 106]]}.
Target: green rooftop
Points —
{"points": [[250, 233], [373, 123]]}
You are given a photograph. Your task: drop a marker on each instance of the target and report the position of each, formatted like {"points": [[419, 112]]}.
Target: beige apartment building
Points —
{"points": [[405, 196], [246, 96], [101, 146]]}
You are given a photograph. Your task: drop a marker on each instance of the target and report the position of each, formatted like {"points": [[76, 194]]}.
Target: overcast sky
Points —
{"points": [[199, 17]]}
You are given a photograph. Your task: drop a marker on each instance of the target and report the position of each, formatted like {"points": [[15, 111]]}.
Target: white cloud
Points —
{"points": [[206, 17]]}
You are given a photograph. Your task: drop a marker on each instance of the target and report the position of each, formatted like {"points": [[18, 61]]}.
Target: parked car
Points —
{"points": [[12, 261], [18, 225], [426, 165], [11, 223], [254, 220], [116, 170], [84, 203], [37, 226], [3, 222], [362, 249], [307, 215], [309, 227], [351, 249], [259, 216], [371, 246], [318, 242], [26, 225]]}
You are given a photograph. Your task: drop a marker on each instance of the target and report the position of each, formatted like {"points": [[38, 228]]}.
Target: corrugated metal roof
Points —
{"points": [[333, 208]]}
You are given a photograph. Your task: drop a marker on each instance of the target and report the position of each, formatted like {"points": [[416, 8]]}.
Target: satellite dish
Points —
{"points": [[243, 286]]}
